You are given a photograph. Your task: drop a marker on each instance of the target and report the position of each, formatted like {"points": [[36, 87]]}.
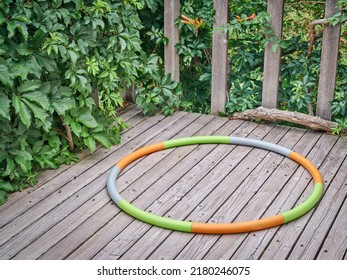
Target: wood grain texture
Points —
{"points": [[219, 87], [274, 115], [75, 219], [328, 64], [272, 59], [171, 58]]}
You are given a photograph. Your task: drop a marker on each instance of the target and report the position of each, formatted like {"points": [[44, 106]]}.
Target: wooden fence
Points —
{"points": [[219, 87]]}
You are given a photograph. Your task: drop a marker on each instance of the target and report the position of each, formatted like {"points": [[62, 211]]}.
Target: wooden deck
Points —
{"points": [[69, 215]]}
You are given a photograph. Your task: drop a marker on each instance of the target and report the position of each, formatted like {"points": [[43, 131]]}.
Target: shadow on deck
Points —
{"points": [[69, 214]]}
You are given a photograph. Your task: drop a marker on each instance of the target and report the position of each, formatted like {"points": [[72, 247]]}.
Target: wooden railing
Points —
{"points": [[219, 87]]}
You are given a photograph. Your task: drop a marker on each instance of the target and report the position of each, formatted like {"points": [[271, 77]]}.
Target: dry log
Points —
{"points": [[273, 115]]}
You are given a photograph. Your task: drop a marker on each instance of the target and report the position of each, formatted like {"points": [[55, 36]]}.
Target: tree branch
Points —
{"points": [[313, 33], [312, 122], [68, 135]]}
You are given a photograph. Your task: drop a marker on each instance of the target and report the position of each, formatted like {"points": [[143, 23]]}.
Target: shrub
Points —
{"points": [[54, 57]]}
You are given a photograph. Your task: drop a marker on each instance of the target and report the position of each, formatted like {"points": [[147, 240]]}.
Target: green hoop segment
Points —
{"points": [[208, 228]]}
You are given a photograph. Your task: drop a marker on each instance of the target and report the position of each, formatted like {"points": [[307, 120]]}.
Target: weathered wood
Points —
{"points": [[161, 202], [219, 87], [328, 64], [334, 247], [271, 168], [19, 205], [272, 59], [238, 168], [196, 163], [129, 95], [273, 115], [185, 186], [76, 220], [287, 236], [268, 193], [137, 177], [298, 184], [67, 192], [171, 58], [307, 246], [55, 234]]}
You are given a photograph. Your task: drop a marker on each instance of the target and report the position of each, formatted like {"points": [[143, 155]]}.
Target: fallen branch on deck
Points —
{"points": [[273, 115]]}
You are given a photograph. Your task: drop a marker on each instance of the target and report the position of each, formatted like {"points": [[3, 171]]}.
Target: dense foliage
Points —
{"points": [[249, 32], [64, 65], [54, 57]]}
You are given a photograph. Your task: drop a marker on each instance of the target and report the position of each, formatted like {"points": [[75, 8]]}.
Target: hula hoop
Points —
{"points": [[221, 228]]}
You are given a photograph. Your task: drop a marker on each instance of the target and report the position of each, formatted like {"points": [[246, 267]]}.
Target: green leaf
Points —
{"points": [[73, 56], [5, 76], [22, 110], [87, 119], [274, 47], [16, 103], [76, 128], [54, 141], [22, 28], [29, 86], [5, 106], [38, 10], [23, 159], [34, 67], [38, 39], [123, 44], [38, 97], [167, 92], [90, 143], [19, 70], [38, 112], [47, 63], [205, 77], [9, 167], [3, 196], [37, 147], [23, 49], [5, 186], [24, 165], [61, 105], [103, 140]]}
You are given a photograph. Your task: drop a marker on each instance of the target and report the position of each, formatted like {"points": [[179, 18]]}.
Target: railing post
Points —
{"points": [[328, 64], [171, 58], [219, 87], [272, 59]]}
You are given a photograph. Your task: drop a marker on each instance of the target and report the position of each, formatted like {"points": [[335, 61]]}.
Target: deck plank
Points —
{"points": [[300, 186], [272, 166], [27, 222], [254, 248], [249, 168], [130, 175], [225, 248], [287, 236], [177, 177], [69, 215], [76, 218], [335, 244], [187, 154], [318, 226], [325, 225], [22, 200], [194, 198]]}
